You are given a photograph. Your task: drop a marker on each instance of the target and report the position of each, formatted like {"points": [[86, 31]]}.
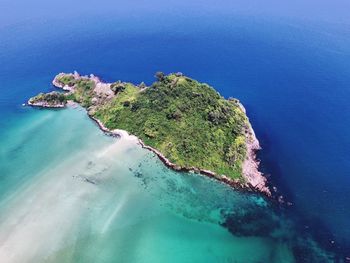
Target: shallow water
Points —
{"points": [[89, 197], [288, 63]]}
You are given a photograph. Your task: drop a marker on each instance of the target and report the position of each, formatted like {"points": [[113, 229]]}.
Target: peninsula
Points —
{"points": [[188, 124]]}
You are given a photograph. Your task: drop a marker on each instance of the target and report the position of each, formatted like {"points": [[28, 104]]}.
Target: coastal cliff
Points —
{"points": [[187, 124]]}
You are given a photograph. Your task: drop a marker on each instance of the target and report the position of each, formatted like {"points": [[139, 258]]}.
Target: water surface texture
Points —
{"points": [[94, 198], [289, 65]]}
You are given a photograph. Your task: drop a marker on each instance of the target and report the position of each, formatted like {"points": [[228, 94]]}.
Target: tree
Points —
{"points": [[236, 151], [160, 75], [173, 113], [117, 87], [214, 117]]}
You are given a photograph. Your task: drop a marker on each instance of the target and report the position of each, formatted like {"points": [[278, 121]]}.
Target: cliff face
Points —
{"points": [[186, 123], [250, 168]]}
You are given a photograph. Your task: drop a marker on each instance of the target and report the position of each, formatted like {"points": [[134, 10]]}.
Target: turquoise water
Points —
{"points": [[289, 65], [81, 196]]}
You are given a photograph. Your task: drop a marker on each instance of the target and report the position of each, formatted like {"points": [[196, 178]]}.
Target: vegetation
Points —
{"points": [[52, 98], [189, 122], [83, 92], [66, 79], [117, 87]]}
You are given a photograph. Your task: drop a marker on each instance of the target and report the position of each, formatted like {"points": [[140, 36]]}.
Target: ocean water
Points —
{"points": [[82, 196], [68, 193]]}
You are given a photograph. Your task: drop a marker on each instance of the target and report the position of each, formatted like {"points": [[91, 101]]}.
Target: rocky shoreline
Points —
{"points": [[45, 105], [255, 180], [57, 84]]}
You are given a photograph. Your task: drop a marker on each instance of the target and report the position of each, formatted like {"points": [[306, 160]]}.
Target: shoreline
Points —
{"points": [[255, 181], [248, 186], [45, 105]]}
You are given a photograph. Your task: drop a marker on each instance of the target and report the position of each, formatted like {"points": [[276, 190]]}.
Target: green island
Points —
{"points": [[53, 99], [188, 124]]}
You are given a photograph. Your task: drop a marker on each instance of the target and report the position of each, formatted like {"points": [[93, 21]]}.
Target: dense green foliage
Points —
{"points": [[84, 91], [52, 98], [189, 122], [66, 79], [83, 88]]}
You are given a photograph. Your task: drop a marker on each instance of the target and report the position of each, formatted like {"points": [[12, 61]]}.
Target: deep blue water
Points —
{"points": [[293, 76]]}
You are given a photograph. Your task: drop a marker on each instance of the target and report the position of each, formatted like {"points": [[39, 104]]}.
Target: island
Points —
{"points": [[187, 124]]}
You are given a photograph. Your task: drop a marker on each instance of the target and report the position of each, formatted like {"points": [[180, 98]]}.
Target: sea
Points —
{"points": [[70, 193]]}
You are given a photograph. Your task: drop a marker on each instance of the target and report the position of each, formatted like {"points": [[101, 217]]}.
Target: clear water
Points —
{"points": [[292, 74], [81, 196]]}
